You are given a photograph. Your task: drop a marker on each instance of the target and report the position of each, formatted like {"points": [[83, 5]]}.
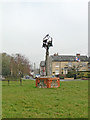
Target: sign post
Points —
{"points": [[47, 42]]}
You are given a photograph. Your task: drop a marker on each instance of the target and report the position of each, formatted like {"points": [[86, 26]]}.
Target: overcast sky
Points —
{"points": [[26, 22]]}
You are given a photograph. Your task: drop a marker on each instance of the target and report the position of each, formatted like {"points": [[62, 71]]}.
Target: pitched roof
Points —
{"points": [[68, 58]]}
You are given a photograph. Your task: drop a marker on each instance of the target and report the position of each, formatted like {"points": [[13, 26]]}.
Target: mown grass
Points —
{"points": [[27, 101]]}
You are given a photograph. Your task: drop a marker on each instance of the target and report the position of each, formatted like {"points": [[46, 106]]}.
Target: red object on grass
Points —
{"points": [[47, 82]]}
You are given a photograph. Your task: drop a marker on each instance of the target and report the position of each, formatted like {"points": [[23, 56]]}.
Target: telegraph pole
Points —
{"points": [[47, 42]]}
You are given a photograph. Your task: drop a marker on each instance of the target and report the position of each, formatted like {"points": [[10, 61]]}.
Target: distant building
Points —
{"points": [[60, 64]]}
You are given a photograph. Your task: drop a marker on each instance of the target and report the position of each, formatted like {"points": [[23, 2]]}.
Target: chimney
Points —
{"points": [[78, 54], [56, 54]]}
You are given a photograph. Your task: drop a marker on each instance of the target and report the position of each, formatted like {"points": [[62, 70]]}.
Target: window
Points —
{"points": [[56, 72], [84, 64], [57, 65], [65, 71], [83, 70], [70, 64]]}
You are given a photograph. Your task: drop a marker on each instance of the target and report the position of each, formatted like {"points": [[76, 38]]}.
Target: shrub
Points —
{"points": [[61, 77], [70, 75]]}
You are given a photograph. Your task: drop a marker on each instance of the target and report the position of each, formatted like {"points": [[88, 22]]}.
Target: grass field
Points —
{"points": [[26, 101]]}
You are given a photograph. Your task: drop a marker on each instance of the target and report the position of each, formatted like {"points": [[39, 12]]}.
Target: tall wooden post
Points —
{"points": [[47, 61], [47, 42]]}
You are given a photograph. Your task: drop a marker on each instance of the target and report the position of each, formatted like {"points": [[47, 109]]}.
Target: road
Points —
{"points": [[60, 79]]}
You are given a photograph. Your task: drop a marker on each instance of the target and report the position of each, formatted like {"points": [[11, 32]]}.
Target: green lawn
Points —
{"points": [[27, 101]]}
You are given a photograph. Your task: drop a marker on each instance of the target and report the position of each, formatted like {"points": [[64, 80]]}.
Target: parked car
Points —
{"points": [[27, 77]]}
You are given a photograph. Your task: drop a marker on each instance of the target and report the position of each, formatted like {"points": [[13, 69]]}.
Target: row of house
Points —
{"points": [[60, 64]]}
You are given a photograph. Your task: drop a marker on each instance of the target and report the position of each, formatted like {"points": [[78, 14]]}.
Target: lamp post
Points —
{"points": [[47, 42]]}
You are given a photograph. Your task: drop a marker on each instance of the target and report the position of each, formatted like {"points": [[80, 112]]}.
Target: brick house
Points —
{"points": [[60, 64]]}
